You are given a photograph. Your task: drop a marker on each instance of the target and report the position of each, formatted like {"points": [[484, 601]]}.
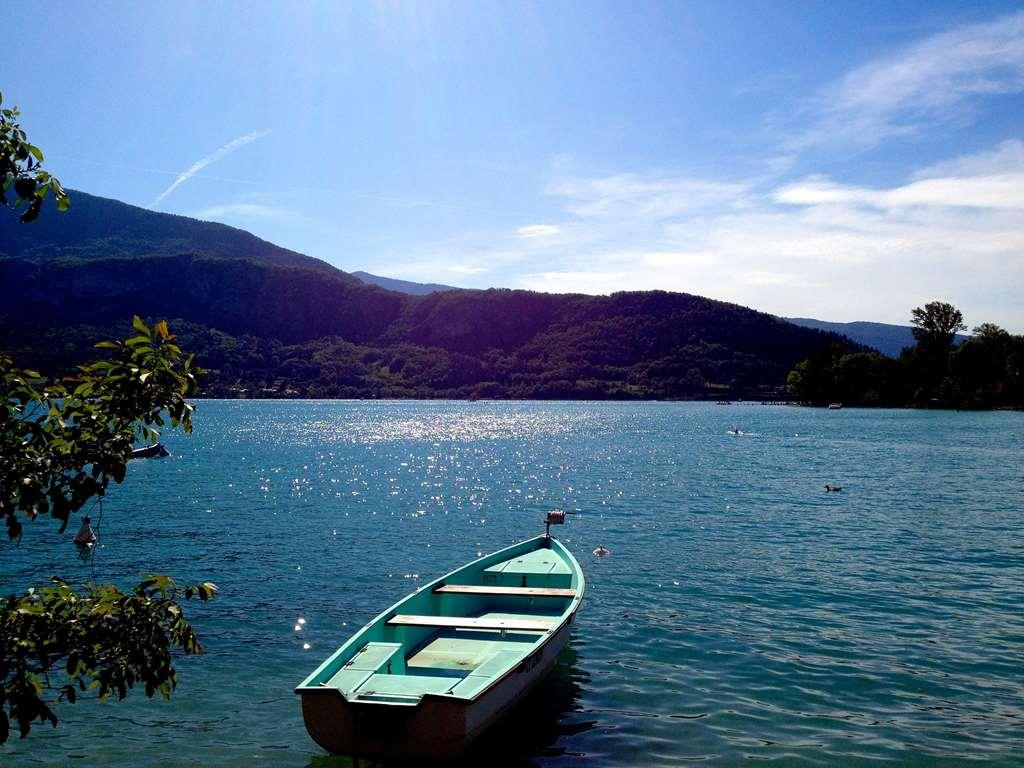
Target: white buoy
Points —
{"points": [[85, 537]]}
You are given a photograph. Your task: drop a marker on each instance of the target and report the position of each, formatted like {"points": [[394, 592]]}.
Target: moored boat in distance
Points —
{"points": [[835, 406], [432, 672], [155, 451]]}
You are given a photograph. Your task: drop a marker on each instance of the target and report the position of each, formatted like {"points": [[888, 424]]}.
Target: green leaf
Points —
{"points": [[140, 326], [36, 152]]}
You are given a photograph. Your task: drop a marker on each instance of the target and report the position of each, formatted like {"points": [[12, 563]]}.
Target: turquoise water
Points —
{"points": [[743, 615]]}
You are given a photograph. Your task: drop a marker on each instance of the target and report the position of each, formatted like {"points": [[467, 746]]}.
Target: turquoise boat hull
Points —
{"points": [[431, 673]]}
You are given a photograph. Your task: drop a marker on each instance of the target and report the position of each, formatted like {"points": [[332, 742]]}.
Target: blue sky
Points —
{"points": [[835, 160]]}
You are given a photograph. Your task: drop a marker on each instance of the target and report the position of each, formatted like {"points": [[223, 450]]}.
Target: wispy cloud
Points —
{"points": [[197, 166], [1004, 190], [538, 230], [427, 270], [244, 211], [1007, 157], [940, 78], [818, 246], [632, 196]]}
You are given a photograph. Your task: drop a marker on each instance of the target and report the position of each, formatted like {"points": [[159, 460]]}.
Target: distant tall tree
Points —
{"points": [[21, 170], [936, 324], [935, 327]]}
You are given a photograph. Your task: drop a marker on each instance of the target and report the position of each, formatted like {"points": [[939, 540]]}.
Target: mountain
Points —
{"points": [[101, 228], [403, 286], [269, 321], [886, 338]]}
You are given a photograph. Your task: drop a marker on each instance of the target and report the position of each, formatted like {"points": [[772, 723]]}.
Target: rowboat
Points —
{"points": [[435, 670]]}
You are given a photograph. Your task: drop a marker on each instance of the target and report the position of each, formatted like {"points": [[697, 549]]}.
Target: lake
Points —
{"points": [[743, 615]]}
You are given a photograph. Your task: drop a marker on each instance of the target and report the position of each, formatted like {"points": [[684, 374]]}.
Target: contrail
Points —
{"points": [[196, 167]]}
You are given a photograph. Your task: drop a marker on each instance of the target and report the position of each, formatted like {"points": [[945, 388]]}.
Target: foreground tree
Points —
{"points": [[61, 444], [21, 171]]}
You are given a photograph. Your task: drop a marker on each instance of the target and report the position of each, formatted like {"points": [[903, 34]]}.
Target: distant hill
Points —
{"points": [[271, 322], [887, 339], [403, 286], [101, 228]]}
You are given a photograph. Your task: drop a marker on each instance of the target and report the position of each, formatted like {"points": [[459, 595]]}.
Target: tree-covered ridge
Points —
{"points": [[268, 321], [100, 228], [985, 371]]}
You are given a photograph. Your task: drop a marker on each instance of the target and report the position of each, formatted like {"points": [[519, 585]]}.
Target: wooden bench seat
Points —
{"points": [[463, 622], [474, 589]]}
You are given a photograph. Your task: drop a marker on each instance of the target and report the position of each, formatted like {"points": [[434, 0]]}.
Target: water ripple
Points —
{"points": [[743, 616]]}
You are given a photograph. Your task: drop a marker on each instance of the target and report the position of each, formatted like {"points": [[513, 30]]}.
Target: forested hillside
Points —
{"points": [[270, 322]]}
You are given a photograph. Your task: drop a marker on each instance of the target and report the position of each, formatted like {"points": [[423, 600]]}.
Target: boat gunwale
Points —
{"points": [[567, 617]]}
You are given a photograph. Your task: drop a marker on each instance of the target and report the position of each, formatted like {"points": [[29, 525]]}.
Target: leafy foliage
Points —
{"points": [[61, 444], [98, 641], [21, 170]]}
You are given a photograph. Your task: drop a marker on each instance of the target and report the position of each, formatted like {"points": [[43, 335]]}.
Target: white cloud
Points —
{"points": [[636, 197], [762, 278], [940, 78], [664, 259], [538, 230], [996, 191], [430, 270], [575, 282], [197, 166], [244, 211], [817, 247], [1007, 157]]}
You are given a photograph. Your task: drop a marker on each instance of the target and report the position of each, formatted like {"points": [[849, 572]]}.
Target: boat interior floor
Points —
{"points": [[457, 652], [452, 662]]}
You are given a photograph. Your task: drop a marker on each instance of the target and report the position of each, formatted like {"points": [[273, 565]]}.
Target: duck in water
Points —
{"points": [[833, 488]]}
